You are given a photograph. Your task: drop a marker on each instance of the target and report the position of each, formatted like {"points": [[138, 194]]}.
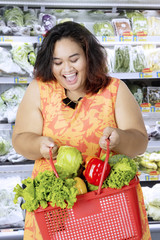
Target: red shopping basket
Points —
{"points": [[111, 214]]}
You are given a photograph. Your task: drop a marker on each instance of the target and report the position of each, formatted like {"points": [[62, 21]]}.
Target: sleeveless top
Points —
{"points": [[82, 128]]}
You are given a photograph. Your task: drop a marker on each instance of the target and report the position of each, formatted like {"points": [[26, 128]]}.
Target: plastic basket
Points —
{"points": [[110, 214]]}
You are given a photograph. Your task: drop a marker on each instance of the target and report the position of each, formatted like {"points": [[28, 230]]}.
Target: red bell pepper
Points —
{"points": [[94, 170]]}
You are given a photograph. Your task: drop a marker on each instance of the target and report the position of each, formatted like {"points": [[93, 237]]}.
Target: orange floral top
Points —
{"points": [[82, 128]]}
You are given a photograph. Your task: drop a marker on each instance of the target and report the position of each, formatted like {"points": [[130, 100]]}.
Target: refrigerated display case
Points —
{"points": [[144, 74]]}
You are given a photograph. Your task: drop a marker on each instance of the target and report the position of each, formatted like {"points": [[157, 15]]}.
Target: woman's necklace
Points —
{"points": [[71, 103]]}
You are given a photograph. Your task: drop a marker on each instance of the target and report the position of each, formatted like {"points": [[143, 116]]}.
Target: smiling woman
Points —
{"points": [[71, 69]]}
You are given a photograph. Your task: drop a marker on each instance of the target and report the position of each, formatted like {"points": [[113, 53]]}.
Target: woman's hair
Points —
{"points": [[95, 55]]}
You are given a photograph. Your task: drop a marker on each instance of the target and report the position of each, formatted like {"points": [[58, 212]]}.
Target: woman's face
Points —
{"points": [[69, 65]]}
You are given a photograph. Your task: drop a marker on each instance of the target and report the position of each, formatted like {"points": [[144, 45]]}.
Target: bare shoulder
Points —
{"points": [[124, 93], [32, 94]]}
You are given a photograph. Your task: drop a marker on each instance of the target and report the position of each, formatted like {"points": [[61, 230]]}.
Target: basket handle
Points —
{"points": [[52, 164], [104, 167]]}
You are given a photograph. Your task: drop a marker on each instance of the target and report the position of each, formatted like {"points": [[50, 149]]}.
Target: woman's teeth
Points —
{"points": [[70, 77]]}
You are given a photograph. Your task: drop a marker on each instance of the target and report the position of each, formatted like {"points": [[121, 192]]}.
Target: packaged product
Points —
{"points": [[153, 95], [138, 58], [121, 25], [110, 59], [122, 58], [103, 28], [153, 26], [139, 25], [153, 58]]}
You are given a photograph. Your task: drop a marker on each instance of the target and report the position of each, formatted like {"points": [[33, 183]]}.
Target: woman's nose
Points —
{"points": [[67, 66]]}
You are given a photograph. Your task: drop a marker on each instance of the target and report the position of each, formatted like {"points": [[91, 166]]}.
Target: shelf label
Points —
{"points": [[152, 176], [1, 38], [20, 80], [157, 107], [145, 107], [108, 38], [40, 39], [138, 38], [125, 38], [145, 75], [158, 74], [8, 39]]}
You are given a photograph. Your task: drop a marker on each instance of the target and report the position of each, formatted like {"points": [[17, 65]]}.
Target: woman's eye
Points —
{"points": [[57, 63], [74, 60]]}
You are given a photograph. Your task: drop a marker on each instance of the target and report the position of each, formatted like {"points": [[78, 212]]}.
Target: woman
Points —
{"points": [[73, 102]]}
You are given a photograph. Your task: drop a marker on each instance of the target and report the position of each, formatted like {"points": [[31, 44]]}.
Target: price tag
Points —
{"points": [[108, 38], [158, 74], [141, 38], [20, 80], [145, 75], [1, 38], [40, 39], [8, 39], [145, 107], [152, 176]]}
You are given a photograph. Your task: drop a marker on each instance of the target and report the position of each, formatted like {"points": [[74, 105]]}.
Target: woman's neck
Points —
{"points": [[74, 95]]}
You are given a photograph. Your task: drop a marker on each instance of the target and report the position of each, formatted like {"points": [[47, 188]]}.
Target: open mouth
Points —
{"points": [[71, 78]]}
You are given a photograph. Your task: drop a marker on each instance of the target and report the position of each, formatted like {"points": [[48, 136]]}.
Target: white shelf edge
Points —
{"points": [[104, 40], [15, 80]]}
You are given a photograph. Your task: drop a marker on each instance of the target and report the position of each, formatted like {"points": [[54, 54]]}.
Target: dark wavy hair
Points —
{"points": [[95, 55]]}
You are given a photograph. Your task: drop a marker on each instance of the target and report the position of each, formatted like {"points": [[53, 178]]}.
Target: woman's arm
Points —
{"points": [[130, 138], [27, 136]]}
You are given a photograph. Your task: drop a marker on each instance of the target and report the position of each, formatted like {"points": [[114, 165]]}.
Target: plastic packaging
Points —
{"points": [[121, 25]]}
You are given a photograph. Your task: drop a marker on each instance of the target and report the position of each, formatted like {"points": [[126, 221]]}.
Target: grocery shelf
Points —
{"points": [[127, 75], [136, 75], [8, 40], [104, 40], [15, 80], [128, 40], [151, 115], [11, 234], [143, 4]]}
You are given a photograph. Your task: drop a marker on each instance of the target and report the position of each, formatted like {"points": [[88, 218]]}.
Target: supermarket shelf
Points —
{"points": [[6, 126], [23, 170], [137, 75], [11, 234], [104, 40], [132, 40], [153, 146], [15, 80], [8, 40], [151, 115], [143, 4]]}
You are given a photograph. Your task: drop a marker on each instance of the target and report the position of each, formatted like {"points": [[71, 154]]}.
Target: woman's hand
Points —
{"points": [[45, 145], [113, 135]]}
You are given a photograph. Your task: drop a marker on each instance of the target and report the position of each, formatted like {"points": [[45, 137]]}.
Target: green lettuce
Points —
{"points": [[69, 160], [139, 24], [104, 28], [44, 188], [122, 172], [4, 146], [14, 16], [24, 56]]}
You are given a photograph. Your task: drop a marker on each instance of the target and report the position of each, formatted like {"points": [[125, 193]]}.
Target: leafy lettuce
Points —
{"points": [[44, 188], [69, 160]]}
